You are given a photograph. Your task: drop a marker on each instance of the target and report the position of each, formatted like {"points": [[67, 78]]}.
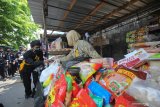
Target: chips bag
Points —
{"points": [[75, 89], [126, 100], [118, 82], [83, 100], [57, 92], [97, 100], [98, 90], [87, 70]]}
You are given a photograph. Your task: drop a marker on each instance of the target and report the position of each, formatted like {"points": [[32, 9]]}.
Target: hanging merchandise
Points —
{"points": [[87, 70], [98, 90]]}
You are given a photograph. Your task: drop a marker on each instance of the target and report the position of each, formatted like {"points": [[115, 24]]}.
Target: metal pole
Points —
{"points": [[45, 13]]}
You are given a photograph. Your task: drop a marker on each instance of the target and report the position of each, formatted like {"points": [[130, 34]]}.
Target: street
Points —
{"points": [[12, 93]]}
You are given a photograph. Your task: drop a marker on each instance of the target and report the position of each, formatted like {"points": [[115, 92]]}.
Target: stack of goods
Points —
{"points": [[102, 83], [142, 39]]}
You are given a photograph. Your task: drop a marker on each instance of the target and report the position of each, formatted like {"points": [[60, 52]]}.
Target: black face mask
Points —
{"points": [[37, 50]]}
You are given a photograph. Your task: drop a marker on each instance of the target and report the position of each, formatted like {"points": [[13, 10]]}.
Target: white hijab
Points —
{"points": [[72, 37]]}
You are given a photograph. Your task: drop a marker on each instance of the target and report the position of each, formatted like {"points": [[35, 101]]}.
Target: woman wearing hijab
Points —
{"points": [[81, 47]]}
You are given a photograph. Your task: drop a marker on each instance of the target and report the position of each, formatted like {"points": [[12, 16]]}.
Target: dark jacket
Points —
{"points": [[32, 60]]}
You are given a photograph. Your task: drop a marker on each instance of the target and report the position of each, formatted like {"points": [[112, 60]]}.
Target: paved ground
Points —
{"points": [[12, 93]]}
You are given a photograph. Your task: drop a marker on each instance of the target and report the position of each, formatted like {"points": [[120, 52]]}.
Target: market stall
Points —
{"points": [[126, 34], [103, 82]]}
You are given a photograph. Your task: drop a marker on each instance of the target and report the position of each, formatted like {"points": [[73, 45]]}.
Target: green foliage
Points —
{"points": [[16, 25]]}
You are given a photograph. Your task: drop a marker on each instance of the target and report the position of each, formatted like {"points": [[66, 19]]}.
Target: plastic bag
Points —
{"points": [[98, 90], [48, 80], [83, 100], [145, 91], [52, 69], [58, 43], [87, 70]]}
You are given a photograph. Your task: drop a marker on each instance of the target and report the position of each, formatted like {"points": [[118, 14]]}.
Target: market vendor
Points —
{"points": [[81, 47]]}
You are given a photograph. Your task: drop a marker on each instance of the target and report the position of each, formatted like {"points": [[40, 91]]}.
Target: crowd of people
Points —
{"points": [[10, 61]]}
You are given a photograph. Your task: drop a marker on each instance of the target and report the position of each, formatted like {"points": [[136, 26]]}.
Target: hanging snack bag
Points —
{"points": [[118, 82]]}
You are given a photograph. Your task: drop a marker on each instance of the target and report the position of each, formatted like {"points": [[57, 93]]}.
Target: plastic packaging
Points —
{"points": [[118, 82], [97, 100], [48, 80], [68, 99], [69, 82], [145, 91], [134, 58], [126, 100], [87, 70], [57, 92], [106, 62], [83, 100], [75, 89], [98, 90], [52, 69]]}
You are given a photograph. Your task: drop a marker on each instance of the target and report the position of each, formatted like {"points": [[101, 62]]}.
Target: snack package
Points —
{"points": [[118, 82], [83, 100], [74, 72], [87, 70], [69, 82], [68, 99], [75, 89], [126, 100], [132, 59], [57, 92], [106, 62], [98, 90], [97, 100]]}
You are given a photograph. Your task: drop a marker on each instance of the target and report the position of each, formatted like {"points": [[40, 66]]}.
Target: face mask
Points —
{"points": [[37, 50]]}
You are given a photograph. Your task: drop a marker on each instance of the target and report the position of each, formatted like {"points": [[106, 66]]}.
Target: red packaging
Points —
{"points": [[126, 100], [75, 89], [83, 100]]}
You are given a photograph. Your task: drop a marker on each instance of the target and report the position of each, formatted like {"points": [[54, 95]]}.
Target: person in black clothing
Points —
{"points": [[10, 62], [32, 59], [2, 63]]}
